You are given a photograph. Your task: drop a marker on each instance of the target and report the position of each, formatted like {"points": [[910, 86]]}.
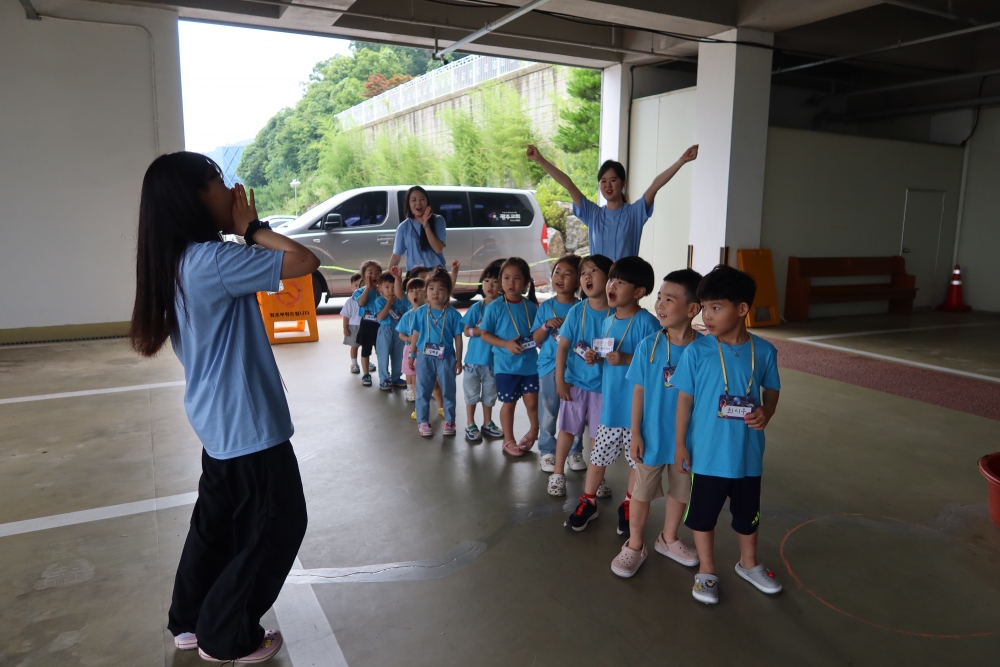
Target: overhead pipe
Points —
{"points": [[911, 84], [913, 6], [490, 27], [913, 111], [893, 47]]}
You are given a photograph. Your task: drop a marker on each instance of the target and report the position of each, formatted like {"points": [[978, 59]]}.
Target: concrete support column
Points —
{"points": [[616, 93], [734, 87]]}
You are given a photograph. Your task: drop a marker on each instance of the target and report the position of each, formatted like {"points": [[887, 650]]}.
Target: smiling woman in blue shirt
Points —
{"points": [[421, 235], [616, 228], [200, 293]]}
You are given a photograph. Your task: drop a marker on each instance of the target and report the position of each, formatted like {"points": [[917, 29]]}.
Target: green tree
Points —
{"points": [[580, 128]]}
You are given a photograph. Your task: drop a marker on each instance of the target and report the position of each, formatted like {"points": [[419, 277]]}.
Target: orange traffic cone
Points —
{"points": [[955, 303]]}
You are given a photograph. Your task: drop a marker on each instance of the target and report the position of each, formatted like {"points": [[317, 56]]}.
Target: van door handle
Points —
{"points": [[316, 241], [385, 239]]}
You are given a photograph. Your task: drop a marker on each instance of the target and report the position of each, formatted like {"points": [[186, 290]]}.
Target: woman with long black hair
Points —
{"points": [[199, 292], [421, 235]]}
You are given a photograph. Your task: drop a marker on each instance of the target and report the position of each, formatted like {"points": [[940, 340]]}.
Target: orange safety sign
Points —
{"points": [[764, 310], [290, 315]]}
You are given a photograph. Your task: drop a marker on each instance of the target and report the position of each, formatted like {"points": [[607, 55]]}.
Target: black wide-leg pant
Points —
{"points": [[246, 529]]}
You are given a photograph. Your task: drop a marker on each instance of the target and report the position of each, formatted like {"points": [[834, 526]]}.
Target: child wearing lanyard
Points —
{"points": [[352, 321], [630, 279], [578, 383], [728, 390], [389, 347], [415, 297], [654, 407], [437, 336], [368, 329], [479, 381], [550, 316], [614, 229], [506, 326]]}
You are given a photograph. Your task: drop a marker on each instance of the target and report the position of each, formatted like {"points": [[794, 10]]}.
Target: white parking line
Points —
{"points": [[96, 514], [90, 392], [803, 339]]}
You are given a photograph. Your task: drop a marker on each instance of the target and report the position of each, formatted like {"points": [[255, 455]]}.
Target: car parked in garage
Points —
{"points": [[483, 224]]}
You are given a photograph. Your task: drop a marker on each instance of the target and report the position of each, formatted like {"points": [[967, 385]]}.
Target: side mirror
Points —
{"points": [[333, 221]]}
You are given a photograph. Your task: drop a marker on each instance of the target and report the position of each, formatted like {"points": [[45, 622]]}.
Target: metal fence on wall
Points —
{"points": [[453, 77]]}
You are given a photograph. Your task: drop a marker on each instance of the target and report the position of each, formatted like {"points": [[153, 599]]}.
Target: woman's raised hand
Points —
{"points": [[533, 153], [425, 215], [244, 212], [690, 154]]}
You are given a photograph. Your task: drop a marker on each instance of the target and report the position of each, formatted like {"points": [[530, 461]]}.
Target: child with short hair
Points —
{"points": [[368, 328], [565, 281], [654, 407], [437, 335], [352, 320], [388, 344], [506, 326], [578, 383], [630, 279], [728, 388], [416, 296], [479, 382]]}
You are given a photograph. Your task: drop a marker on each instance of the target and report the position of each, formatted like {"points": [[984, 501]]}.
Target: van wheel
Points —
{"points": [[319, 286]]}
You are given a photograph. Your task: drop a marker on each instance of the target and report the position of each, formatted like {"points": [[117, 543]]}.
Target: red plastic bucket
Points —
{"points": [[989, 465]]}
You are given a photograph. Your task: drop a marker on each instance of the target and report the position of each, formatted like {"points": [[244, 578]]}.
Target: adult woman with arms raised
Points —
{"points": [[199, 292], [616, 228], [421, 234]]}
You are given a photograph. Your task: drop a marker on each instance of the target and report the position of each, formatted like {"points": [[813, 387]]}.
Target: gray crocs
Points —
{"points": [[706, 588], [762, 578]]}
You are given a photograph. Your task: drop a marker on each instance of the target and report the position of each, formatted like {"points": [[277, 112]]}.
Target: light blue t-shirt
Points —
{"points": [[234, 398], [614, 233], [507, 321], [436, 326], [725, 447], [395, 313], [408, 243], [479, 353], [368, 310], [616, 388], [405, 325], [583, 324], [547, 354], [659, 402]]}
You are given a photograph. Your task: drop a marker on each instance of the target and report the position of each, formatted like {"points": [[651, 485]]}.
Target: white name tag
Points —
{"points": [[603, 346], [735, 407], [581, 350], [527, 343], [433, 350], [555, 335], [371, 317]]}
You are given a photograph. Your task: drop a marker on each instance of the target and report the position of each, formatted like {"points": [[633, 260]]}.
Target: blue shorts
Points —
{"points": [[510, 387]]}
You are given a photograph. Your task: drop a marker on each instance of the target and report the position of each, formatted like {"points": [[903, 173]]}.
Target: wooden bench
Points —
{"points": [[800, 292]]}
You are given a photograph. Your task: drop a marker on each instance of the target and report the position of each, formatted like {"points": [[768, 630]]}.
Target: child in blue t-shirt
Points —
{"points": [[368, 328], [550, 316], [615, 229], [578, 383], [479, 381], [506, 326], [388, 345], [630, 279], [654, 406], [437, 337], [728, 390]]}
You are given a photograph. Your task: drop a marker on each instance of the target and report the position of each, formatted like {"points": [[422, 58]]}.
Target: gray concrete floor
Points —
{"points": [[900, 542]]}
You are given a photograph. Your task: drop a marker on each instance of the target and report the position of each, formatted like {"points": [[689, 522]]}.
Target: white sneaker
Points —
{"points": [[548, 462], [557, 485], [761, 577], [576, 462], [604, 491], [410, 396]]}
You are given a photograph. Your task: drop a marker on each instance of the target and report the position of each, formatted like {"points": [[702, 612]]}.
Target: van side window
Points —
{"points": [[500, 209], [363, 210], [452, 206]]}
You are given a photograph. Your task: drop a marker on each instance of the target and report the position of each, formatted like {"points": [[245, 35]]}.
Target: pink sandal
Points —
{"points": [[510, 448], [527, 442]]}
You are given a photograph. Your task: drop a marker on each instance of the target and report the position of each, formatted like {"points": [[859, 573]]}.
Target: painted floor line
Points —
{"points": [[804, 339], [90, 392], [96, 514], [417, 570], [305, 627], [906, 362]]}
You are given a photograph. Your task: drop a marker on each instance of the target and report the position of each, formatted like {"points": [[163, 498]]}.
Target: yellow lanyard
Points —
{"points": [[626, 330], [656, 340], [526, 315], [583, 315], [725, 377], [444, 317]]}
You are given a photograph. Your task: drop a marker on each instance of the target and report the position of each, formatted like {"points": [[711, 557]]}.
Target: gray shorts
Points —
{"points": [[480, 385], [352, 340]]}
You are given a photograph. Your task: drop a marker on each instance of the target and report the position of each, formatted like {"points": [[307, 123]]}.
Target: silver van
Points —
{"points": [[483, 224]]}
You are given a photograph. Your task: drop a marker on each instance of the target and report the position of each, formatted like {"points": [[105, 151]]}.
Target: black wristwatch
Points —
{"points": [[252, 228]]}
